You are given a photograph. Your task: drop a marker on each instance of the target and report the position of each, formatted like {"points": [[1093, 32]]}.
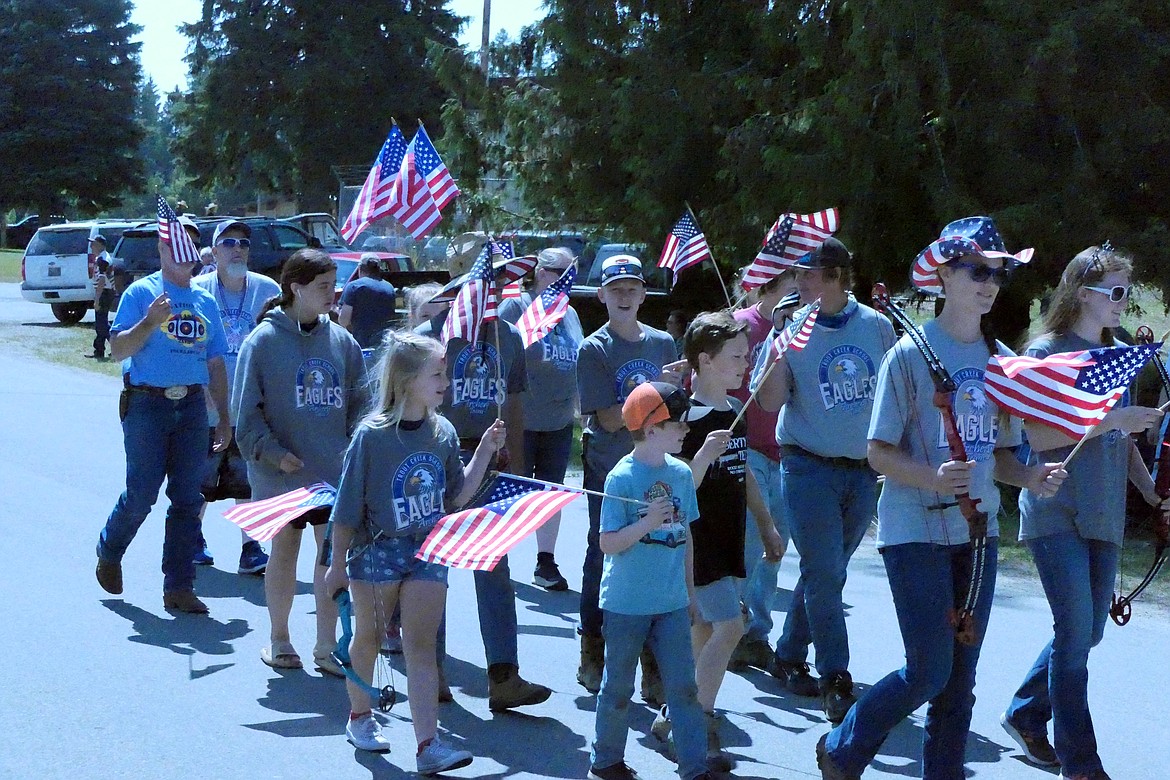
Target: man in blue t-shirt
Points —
{"points": [[171, 340], [367, 303]]}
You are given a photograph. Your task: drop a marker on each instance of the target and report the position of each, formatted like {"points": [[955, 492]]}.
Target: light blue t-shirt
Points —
{"points": [[177, 353], [904, 415], [238, 312], [1091, 501], [649, 578]]}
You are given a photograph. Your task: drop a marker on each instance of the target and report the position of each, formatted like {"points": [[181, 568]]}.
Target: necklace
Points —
{"points": [[221, 296]]}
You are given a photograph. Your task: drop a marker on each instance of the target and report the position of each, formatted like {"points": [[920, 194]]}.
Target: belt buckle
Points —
{"points": [[176, 392]]}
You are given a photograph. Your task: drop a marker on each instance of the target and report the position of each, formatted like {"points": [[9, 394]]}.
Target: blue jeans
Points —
{"points": [[760, 586], [1077, 575], [591, 619], [829, 508], [669, 637], [939, 669], [495, 599], [546, 454], [163, 439]]}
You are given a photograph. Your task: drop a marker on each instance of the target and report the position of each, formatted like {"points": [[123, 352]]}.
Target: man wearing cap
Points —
{"points": [[613, 360], [103, 295], [239, 296], [367, 303], [486, 383], [824, 394], [172, 340]]}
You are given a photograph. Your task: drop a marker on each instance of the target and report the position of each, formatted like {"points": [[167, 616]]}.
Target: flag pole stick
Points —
{"points": [[752, 397], [1064, 464], [718, 274], [496, 330], [578, 490]]}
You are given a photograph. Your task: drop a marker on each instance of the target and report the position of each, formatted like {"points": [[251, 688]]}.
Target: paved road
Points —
{"points": [[100, 687]]}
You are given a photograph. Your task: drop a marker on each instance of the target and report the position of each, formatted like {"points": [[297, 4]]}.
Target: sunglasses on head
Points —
{"points": [[1095, 261], [230, 243], [982, 273], [1116, 294]]}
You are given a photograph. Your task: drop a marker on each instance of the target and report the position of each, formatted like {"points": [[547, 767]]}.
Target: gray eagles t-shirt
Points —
{"points": [[608, 368], [904, 415], [474, 371], [1092, 500], [551, 399], [832, 382]]}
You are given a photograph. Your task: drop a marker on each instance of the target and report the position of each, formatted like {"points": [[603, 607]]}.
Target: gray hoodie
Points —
{"points": [[298, 392]]}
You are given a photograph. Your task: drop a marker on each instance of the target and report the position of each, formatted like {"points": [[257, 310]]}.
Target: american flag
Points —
{"points": [[478, 538], [507, 274], [433, 171], [373, 201], [469, 307], [1068, 391], [547, 309], [792, 237], [796, 337], [171, 231], [685, 246], [511, 290], [410, 197], [262, 520]]}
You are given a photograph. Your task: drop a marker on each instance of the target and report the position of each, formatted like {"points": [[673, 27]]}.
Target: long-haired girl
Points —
{"points": [[1075, 537], [299, 392], [922, 533], [402, 473]]}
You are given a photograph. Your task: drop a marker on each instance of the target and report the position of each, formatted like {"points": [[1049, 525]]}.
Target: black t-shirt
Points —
{"points": [[719, 532]]}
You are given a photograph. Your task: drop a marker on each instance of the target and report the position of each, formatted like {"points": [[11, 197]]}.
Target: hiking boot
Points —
{"points": [[618, 771], [253, 559], [507, 689], [837, 696], [438, 757], [364, 733], [109, 576], [829, 770], [547, 575], [652, 690], [592, 662], [203, 556], [1035, 747], [184, 601], [795, 678], [717, 760], [750, 652]]}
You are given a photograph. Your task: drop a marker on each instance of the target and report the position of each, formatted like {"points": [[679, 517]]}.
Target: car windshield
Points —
{"points": [[59, 242], [138, 251], [345, 269]]}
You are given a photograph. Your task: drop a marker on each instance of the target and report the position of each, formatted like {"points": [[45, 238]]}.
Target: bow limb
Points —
{"points": [[383, 697]]}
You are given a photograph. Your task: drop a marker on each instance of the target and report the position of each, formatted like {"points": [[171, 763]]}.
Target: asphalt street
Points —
{"points": [[115, 687]]}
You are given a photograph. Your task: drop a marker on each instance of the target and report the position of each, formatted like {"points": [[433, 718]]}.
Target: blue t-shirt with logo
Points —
{"points": [[648, 578], [177, 352]]}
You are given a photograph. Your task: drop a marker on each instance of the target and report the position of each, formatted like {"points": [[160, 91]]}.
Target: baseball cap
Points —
{"points": [[229, 224], [651, 403], [830, 254], [98, 238], [621, 267]]}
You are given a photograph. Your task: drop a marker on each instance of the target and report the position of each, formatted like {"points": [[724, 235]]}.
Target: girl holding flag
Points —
{"points": [[1075, 537], [402, 473], [923, 534], [551, 401]]}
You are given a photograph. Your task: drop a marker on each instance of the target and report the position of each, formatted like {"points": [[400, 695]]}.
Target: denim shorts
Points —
{"points": [[719, 600], [391, 559]]}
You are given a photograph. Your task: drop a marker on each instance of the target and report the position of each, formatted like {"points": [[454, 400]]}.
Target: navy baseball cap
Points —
{"points": [[621, 267], [830, 254]]}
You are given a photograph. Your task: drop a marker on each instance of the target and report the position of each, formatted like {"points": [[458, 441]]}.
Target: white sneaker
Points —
{"points": [[365, 734], [439, 757]]}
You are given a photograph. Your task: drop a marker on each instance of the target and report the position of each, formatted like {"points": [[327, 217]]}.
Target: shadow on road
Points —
{"points": [[181, 634]]}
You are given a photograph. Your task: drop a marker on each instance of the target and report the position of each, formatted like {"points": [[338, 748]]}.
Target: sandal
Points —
{"points": [[281, 655], [325, 663]]}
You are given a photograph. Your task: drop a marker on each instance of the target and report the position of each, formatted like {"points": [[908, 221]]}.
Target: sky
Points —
{"points": [[163, 46]]}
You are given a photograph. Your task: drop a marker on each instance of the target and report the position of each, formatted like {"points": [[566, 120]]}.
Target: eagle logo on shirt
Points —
{"points": [[975, 415], [418, 487], [318, 387], [847, 379], [633, 373], [474, 380]]}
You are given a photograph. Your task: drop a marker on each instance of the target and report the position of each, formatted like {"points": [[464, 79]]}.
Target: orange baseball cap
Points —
{"points": [[651, 403]]}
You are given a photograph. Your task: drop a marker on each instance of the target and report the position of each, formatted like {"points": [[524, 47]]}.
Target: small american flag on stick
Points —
{"points": [[791, 237], [373, 201], [410, 197], [685, 246], [547, 309], [1068, 391], [170, 230], [434, 172], [263, 520], [478, 538]]}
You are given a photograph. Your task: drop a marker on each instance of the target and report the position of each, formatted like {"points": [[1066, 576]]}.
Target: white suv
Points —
{"points": [[56, 267]]}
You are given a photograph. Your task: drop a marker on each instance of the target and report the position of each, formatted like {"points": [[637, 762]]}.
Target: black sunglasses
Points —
{"points": [[982, 273]]}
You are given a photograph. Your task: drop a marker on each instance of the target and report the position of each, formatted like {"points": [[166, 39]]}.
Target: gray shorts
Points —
{"points": [[391, 559], [719, 600]]}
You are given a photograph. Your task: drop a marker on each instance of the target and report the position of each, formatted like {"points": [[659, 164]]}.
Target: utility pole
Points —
{"points": [[486, 39]]}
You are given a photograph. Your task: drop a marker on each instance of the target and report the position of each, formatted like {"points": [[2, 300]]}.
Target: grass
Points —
{"points": [[10, 265], [54, 342]]}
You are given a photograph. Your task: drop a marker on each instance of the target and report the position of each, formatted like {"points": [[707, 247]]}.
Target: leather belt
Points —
{"points": [[851, 463], [172, 393]]}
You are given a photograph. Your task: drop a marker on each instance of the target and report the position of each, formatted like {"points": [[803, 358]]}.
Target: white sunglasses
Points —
{"points": [[1116, 294]]}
